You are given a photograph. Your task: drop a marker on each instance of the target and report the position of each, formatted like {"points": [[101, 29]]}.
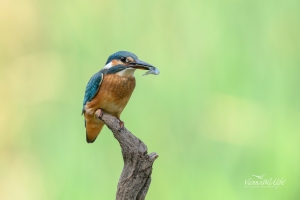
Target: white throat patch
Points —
{"points": [[126, 72], [109, 65]]}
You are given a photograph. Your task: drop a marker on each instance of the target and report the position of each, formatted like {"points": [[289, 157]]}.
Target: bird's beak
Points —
{"points": [[138, 64]]}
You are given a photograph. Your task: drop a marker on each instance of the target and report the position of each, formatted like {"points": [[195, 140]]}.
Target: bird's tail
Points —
{"points": [[93, 128]]}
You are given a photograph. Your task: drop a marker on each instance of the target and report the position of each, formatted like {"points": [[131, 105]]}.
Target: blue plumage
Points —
{"points": [[92, 87], [121, 54]]}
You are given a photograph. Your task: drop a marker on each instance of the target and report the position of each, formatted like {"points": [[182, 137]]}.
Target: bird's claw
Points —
{"points": [[121, 125], [98, 113]]}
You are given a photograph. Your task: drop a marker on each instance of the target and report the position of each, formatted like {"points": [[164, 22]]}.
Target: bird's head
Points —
{"points": [[124, 63]]}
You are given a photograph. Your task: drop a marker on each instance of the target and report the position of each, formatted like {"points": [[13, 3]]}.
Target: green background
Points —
{"points": [[225, 106]]}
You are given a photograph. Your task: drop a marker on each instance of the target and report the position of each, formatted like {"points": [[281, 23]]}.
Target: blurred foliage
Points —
{"points": [[225, 106]]}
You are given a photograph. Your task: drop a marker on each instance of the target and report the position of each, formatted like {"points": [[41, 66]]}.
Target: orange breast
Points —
{"points": [[113, 94]]}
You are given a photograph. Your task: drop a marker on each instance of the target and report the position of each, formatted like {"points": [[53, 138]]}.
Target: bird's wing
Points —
{"points": [[92, 87]]}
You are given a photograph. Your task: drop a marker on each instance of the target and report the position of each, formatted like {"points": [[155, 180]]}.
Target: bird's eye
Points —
{"points": [[123, 59]]}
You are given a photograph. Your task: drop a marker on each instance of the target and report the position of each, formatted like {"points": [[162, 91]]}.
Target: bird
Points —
{"points": [[110, 89], [260, 177]]}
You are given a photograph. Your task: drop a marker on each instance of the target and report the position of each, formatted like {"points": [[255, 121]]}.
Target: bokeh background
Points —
{"points": [[225, 106]]}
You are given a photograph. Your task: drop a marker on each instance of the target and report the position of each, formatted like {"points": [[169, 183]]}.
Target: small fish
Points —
{"points": [[153, 70]]}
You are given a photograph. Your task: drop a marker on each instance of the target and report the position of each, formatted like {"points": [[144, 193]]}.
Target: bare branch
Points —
{"points": [[136, 175]]}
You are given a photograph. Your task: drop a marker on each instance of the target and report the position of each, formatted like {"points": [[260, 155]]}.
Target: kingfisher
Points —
{"points": [[109, 90]]}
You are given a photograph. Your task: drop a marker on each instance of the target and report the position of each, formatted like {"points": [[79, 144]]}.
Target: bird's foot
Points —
{"points": [[121, 123], [98, 113]]}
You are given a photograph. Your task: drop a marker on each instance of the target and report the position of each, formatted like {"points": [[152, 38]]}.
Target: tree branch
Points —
{"points": [[136, 175]]}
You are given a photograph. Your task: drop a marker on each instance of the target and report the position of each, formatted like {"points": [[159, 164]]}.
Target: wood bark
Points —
{"points": [[135, 179]]}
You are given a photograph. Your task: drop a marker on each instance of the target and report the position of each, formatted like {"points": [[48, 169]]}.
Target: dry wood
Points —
{"points": [[136, 175]]}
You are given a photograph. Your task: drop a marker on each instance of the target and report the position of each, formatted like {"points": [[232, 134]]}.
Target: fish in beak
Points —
{"points": [[138, 64]]}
